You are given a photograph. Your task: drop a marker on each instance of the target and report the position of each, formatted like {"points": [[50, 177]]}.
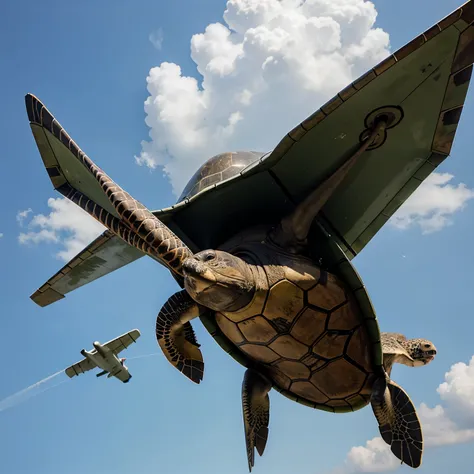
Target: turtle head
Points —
{"points": [[219, 280], [421, 351]]}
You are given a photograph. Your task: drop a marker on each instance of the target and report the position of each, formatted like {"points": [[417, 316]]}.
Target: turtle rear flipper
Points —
{"points": [[256, 410], [399, 425]]}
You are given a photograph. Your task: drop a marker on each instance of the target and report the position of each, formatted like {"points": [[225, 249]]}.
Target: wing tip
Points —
{"points": [[33, 108], [70, 372], [46, 297]]}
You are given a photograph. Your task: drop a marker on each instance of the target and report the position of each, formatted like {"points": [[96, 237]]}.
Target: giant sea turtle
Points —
{"points": [[277, 290]]}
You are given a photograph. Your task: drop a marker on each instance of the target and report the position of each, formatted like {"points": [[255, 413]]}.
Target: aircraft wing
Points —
{"points": [[102, 256], [105, 254], [427, 79], [80, 367], [120, 343]]}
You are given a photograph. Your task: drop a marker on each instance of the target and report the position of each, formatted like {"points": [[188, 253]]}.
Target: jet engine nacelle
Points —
{"points": [[98, 347]]}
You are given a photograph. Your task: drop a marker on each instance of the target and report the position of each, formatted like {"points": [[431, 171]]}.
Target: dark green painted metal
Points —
{"points": [[375, 188]]}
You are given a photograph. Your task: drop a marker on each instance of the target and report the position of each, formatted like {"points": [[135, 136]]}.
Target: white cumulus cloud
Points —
{"points": [[451, 422], [264, 69], [67, 225], [431, 206]]}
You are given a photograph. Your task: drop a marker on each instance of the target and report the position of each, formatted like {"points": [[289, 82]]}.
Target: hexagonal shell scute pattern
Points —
{"points": [[327, 296], [285, 300], [320, 357], [257, 329], [339, 379]]}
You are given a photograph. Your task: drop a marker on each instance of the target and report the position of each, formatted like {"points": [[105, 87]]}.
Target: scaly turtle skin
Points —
{"points": [[296, 326], [283, 298], [302, 331]]}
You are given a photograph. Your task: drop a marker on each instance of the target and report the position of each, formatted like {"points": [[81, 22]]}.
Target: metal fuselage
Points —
{"points": [[111, 365]]}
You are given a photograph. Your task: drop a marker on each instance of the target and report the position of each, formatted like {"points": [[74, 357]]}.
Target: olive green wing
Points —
{"points": [[427, 80], [59, 154], [107, 252], [104, 255]]}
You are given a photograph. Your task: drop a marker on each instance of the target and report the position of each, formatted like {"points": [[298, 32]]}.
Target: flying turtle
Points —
{"points": [[275, 287]]}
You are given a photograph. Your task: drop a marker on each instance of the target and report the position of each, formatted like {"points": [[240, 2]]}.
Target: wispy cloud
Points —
{"points": [[67, 225], [22, 215], [433, 204], [248, 63], [156, 38], [450, 422]]}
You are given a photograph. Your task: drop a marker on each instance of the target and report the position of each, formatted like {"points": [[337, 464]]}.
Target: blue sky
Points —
{"points": [[89, 63]]}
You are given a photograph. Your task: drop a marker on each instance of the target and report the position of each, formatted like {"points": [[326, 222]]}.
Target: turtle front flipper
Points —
{"points": [[256, 410], [398, 422], [176, 336]]}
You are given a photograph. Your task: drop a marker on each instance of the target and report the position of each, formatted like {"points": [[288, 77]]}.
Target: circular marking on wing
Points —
{"points": [[289, 348], [229, 328], [304, 275], [293, 370], [346, 317], [359, 349], [309, 326], [331, 345], [338, 379], [309, 391], [284, 301], [280, 378], [257, 329], [327, 296], [259, 353]]}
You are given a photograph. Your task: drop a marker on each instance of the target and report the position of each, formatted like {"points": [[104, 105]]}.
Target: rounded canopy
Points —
{"points": [[219, 168]]}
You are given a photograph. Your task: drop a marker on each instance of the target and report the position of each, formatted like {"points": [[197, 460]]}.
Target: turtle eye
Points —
{"points": [[427, 346], [208, 256]]}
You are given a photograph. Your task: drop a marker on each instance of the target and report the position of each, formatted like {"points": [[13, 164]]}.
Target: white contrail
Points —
{"points": [[146, 355], [27, 392], [30, 392]]}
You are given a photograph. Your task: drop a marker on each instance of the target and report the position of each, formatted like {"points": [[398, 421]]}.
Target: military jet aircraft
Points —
{"points": [[105, 357]]}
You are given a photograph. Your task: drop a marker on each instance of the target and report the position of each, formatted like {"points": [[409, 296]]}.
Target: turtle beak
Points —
{"points": [[429, 355], [197, 276]]}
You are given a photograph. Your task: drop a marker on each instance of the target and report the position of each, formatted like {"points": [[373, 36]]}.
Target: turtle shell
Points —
{"points": [[312, 332], [219, 168]]}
